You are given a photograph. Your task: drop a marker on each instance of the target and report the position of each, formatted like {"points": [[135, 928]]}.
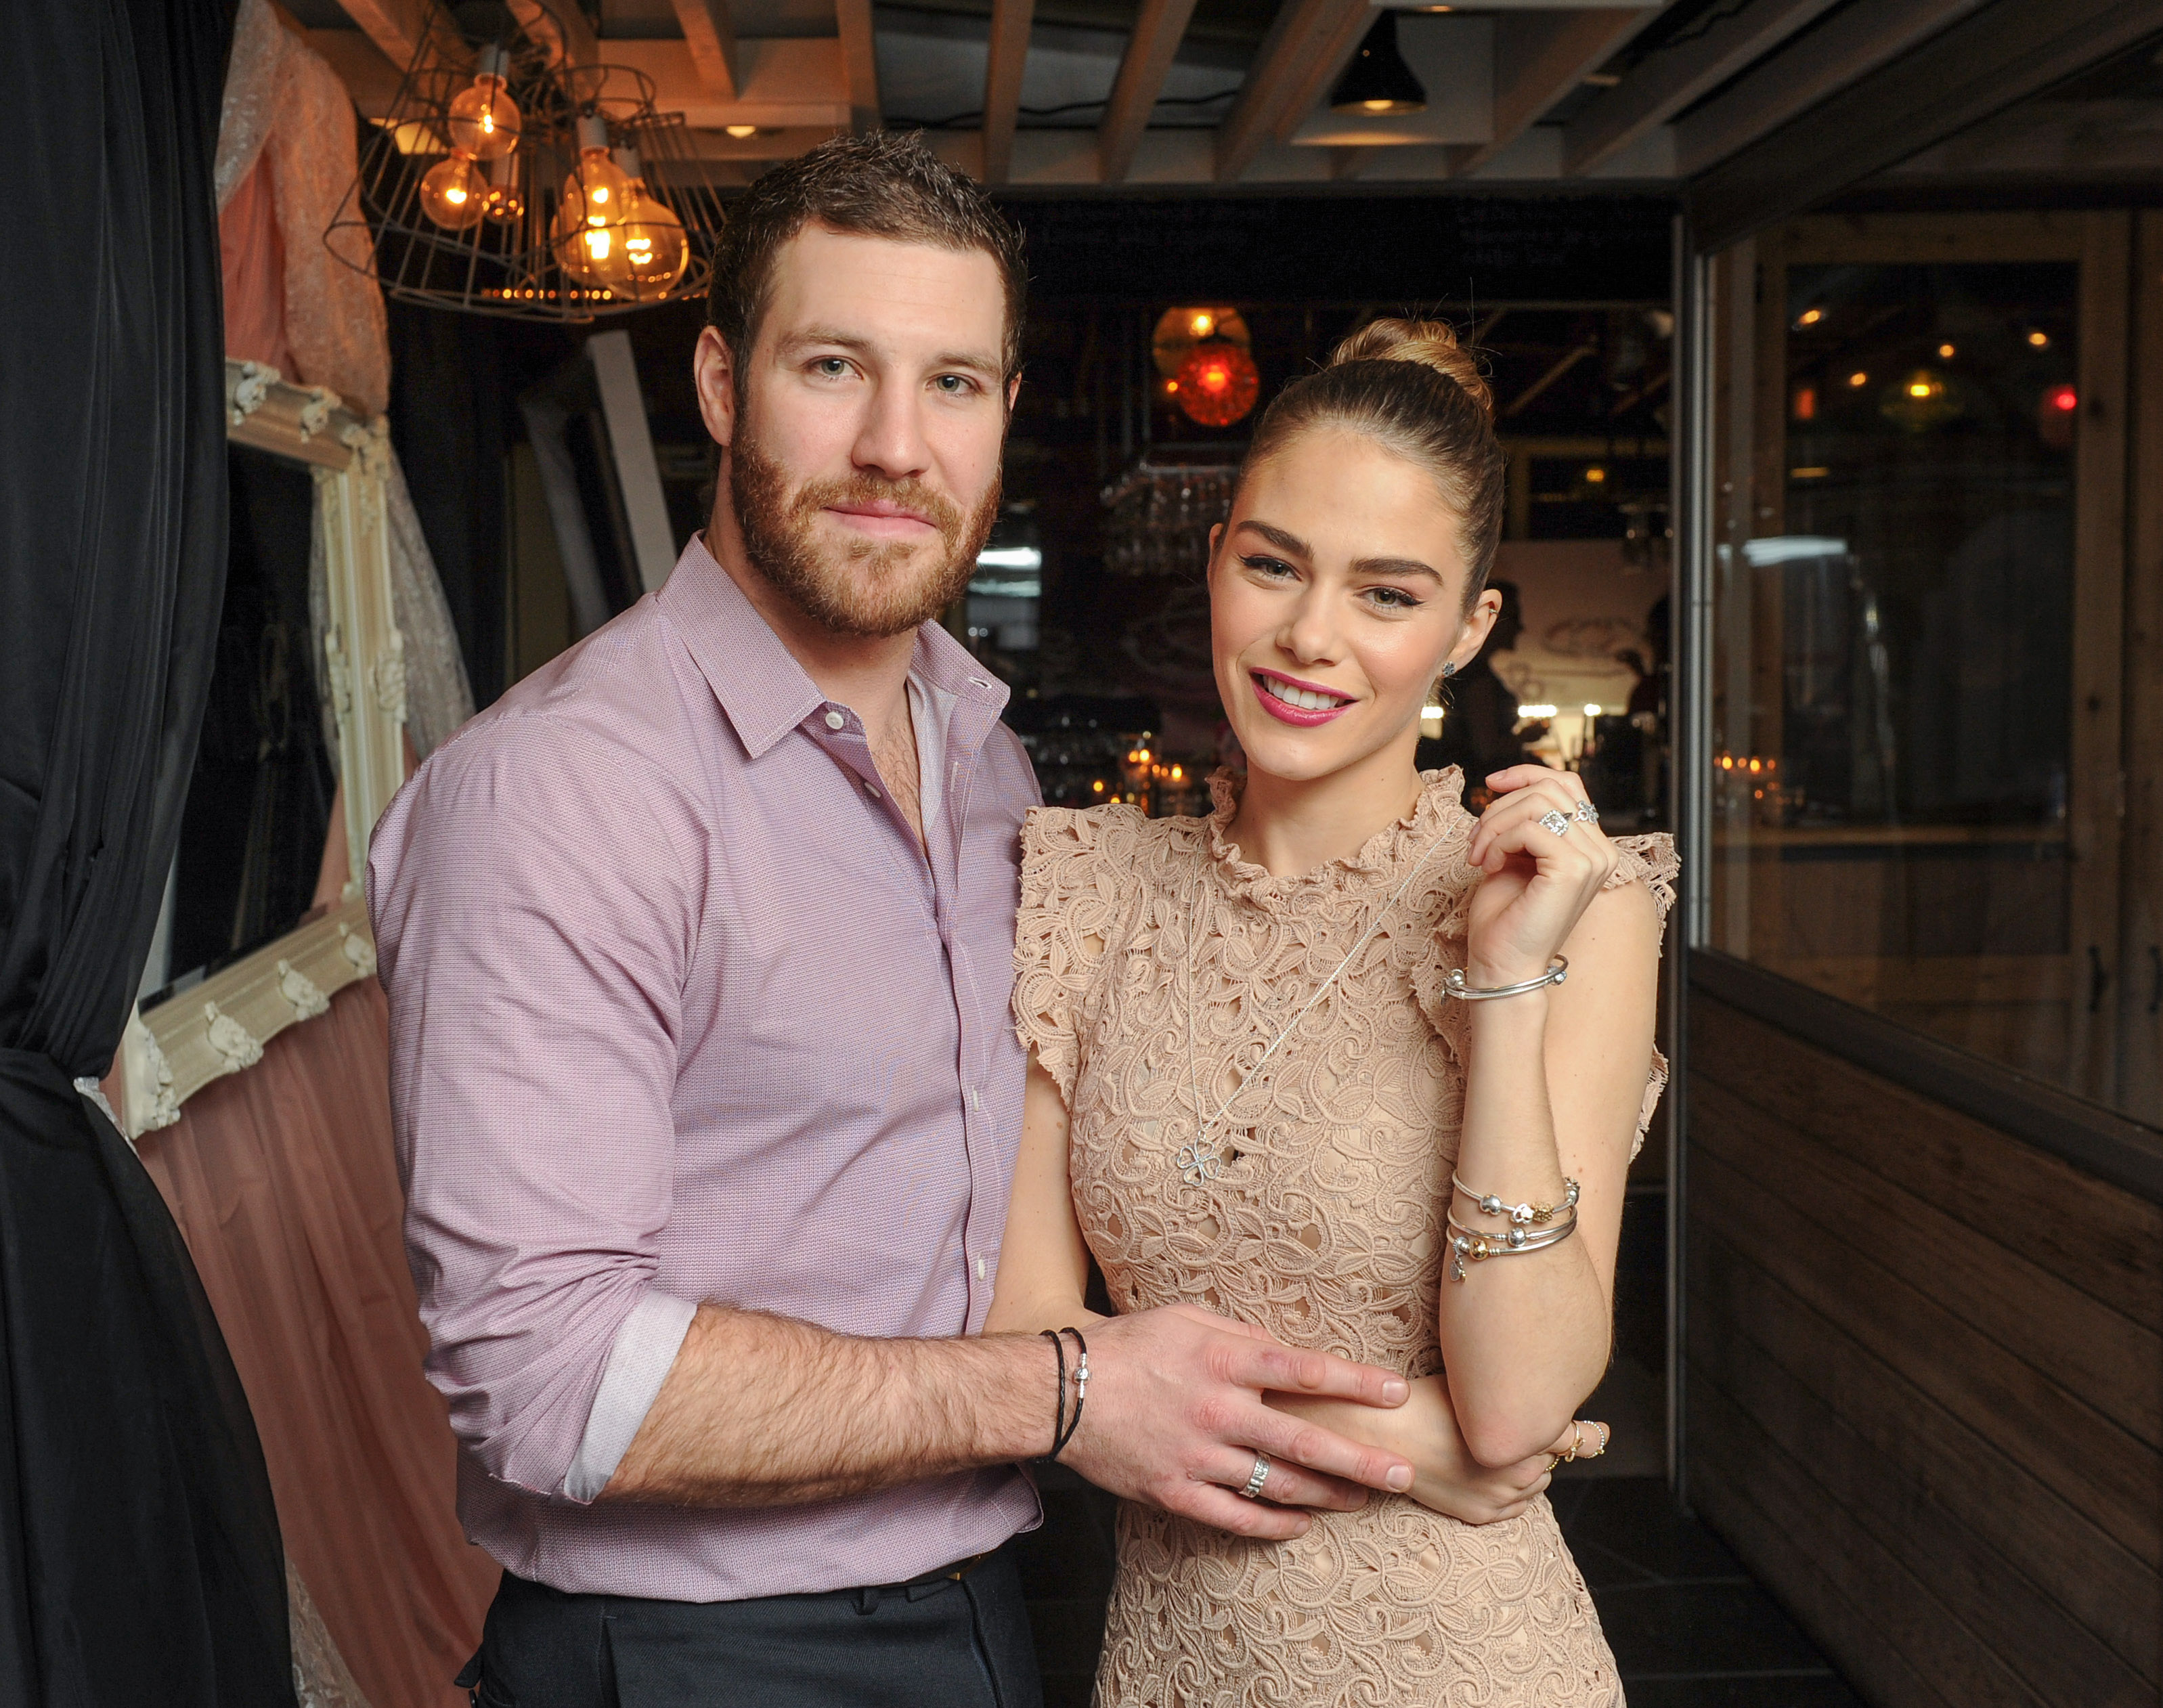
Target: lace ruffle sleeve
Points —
{"points": [[1650, 861], [1071, 902]]}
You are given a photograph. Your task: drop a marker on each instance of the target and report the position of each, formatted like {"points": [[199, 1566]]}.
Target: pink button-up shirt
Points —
{"points": [[680, 1011]]}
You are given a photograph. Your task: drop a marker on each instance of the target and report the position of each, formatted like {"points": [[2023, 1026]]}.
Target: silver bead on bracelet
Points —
{"points": [[1454, 984], [1522, 1215], [1470, 1245]]}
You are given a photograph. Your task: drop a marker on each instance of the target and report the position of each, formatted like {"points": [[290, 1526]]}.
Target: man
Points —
{"points": [[699, 951]]}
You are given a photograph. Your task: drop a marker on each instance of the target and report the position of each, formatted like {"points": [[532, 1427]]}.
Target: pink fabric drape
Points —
{"points": [[252, 256], [283, 1182]]}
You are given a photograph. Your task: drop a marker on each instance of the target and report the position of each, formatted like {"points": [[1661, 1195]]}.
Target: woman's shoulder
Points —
{"points": [[1116, 831]]}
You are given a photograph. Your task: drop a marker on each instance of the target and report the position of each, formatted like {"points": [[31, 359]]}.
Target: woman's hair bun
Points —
{"points": [[1429, 342]]}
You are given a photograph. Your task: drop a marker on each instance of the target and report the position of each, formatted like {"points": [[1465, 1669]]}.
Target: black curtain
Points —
{"points": [[139, 1556], [447, 410]]}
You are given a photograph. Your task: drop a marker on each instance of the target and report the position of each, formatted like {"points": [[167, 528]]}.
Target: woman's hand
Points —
{"points": [[1446, 1478], [1537, 884]]}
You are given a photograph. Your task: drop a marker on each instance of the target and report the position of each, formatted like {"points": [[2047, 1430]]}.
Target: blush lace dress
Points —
{"points": [[1151, 959]]}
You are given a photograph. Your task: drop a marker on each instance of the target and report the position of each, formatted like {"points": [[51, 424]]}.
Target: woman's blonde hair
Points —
{"points": [[1412, 388]]}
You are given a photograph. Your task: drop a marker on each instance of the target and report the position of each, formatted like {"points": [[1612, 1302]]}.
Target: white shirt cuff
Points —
{"points": [[638, 1363]]}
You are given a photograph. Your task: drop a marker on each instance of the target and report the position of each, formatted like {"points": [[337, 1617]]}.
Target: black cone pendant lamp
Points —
{"points": [[1378, 79]]}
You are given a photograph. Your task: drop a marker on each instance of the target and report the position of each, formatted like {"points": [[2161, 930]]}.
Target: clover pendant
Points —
{"points": [[1200, 1162]]}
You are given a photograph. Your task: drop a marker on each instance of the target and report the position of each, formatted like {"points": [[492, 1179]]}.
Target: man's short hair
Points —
{"points": [[883, 185]]}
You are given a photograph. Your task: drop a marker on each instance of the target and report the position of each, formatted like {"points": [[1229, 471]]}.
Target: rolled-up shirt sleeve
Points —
{"points": [[535, 891]]}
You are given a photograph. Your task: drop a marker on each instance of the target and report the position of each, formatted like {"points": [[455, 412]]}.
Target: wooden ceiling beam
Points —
{"points": [[559, 30], [398, 27], [711, 35], [859, 62], [1150, 53], [1539, 58], [1672, 77], [1301, 30], [1849, 47], [1007, 54]]}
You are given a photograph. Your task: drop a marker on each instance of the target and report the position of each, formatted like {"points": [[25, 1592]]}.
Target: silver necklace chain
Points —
{"points": [[1200, 1161]]}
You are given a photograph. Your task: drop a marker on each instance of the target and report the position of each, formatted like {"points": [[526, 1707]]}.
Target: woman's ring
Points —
{"points": [[1253, 1492], [1586, 813], [1556, 822]]}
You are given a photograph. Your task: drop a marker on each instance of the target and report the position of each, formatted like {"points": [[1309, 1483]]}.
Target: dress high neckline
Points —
{"points": [[1438, 810]]}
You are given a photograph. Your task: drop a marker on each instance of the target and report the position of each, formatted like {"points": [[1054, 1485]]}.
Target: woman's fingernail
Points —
{"points": [[1400, 1478]]}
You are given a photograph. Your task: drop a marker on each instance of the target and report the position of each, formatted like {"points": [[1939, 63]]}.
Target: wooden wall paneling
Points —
{"points": [[1844, 1631], [2115, 1365], [2081, 1454], [2141, 989], [1899, 1609], [1759, 1344], [2092, 1235]]}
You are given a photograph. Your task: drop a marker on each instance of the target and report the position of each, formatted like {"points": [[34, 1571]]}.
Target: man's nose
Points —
{"points": [[891, 438]]}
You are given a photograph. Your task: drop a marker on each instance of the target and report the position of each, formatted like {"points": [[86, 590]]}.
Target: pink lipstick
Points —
{"points": [[1274, 690]]}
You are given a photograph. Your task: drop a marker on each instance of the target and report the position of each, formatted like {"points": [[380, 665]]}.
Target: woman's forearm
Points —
{"points": [[1524, 1337], [1446, 1478]]}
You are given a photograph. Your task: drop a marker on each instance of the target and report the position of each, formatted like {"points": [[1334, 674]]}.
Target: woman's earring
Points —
{"points": [[1449, 669]]}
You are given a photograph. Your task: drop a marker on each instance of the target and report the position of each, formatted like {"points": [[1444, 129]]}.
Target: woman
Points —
{"points": [[1273, 1074]]}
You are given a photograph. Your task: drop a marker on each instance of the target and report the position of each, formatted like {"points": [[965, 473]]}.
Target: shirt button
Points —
{"points": [[834, 720]]}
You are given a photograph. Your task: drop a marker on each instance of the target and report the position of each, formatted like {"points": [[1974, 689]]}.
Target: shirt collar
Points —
{"points": [[763, 691]]}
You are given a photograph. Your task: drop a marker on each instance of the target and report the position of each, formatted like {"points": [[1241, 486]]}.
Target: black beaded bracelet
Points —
{"points": [[1080, 1390]]}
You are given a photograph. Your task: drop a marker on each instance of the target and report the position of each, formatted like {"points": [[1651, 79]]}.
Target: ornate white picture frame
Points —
{"points": [[221, 1025]]}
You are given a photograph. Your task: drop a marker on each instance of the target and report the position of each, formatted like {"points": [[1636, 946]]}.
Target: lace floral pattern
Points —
{"points": [[1154, 967]]}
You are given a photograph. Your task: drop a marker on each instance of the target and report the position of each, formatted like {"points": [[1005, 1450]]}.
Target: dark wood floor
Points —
{"points": [[1688, 1627]]}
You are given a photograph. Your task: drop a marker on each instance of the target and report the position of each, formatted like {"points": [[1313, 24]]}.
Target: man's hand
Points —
{"points": [[1176, 1417], [1424, 1429]]}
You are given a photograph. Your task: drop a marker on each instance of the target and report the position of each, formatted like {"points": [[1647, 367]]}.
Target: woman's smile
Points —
{"points": [[1296, 702]]}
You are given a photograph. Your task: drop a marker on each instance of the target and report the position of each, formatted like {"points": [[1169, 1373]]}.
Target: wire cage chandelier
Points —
{"points": [[508, 179]]}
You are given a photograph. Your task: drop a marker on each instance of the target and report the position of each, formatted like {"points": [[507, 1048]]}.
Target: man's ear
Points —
{"points": [[714, 373]]}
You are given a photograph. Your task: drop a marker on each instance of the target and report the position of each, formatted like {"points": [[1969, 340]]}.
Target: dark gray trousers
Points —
{"points": [[934, 1643]]}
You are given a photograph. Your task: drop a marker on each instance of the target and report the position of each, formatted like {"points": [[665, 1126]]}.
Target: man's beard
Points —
{"points": [[864, 590]]}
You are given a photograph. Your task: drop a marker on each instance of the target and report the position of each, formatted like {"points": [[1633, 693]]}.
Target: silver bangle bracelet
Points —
{"points": [[1520, 1215], [1454, 984], [1470, 1245]]}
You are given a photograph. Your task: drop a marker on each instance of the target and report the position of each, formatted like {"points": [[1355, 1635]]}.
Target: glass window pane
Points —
{"points": [[1898, 790]]}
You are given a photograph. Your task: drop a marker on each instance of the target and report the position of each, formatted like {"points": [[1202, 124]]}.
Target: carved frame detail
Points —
{"points": [[220, 1026]]}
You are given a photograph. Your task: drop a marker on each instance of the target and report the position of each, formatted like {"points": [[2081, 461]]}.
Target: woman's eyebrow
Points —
{"points": [[1282, 541], [1396, 566]]}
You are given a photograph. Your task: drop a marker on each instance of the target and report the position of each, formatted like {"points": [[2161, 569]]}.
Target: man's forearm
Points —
{"points": [[763, 1411]]}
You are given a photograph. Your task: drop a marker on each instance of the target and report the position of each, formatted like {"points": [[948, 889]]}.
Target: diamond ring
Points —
{"points": [[1556, 822], [1253, 1492]]}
